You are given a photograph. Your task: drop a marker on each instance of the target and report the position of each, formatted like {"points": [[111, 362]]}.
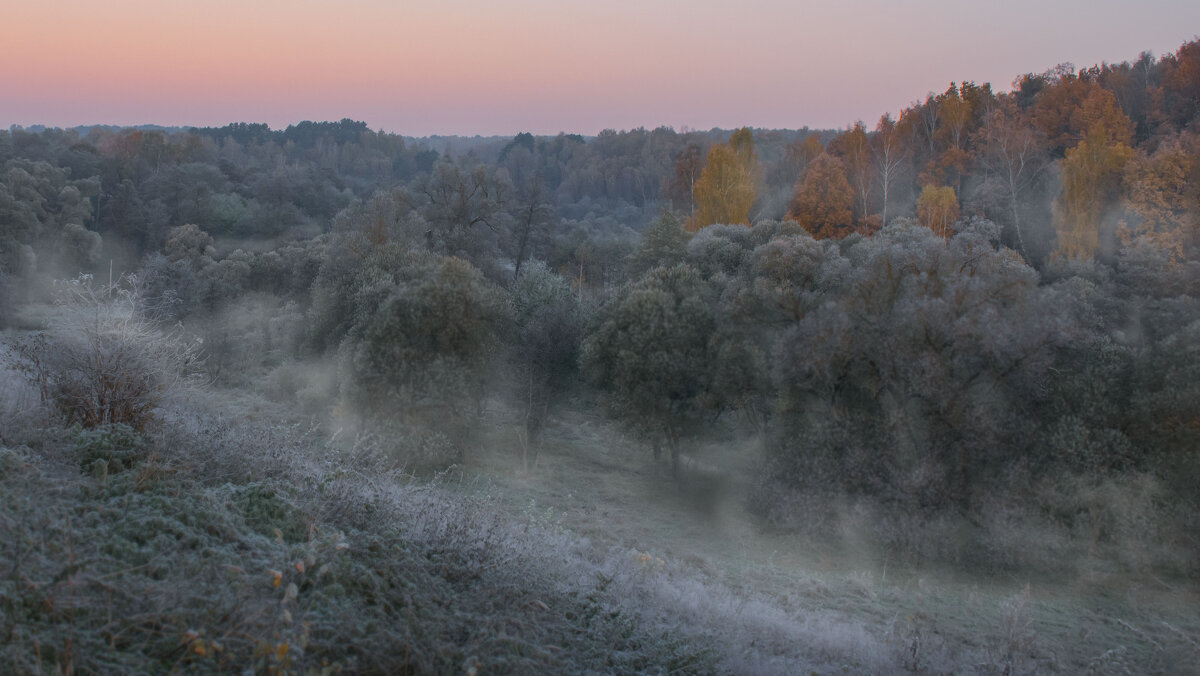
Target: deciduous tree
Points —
{"points": [[1091, 178], [728, 185], [548, 323], [422, 340], [917, 370], [824, 200], [937, 209], [797, 155], [1015, 154], [663, 244], [689, 163], [531, 220], [650, 349], [854, 149], [889, 153], [1161, 197]]}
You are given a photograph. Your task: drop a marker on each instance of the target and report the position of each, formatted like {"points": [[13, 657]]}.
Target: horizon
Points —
{"points": [[465, 68], [174, 129]]}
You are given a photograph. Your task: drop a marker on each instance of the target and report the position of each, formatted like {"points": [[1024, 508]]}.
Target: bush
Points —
{"points": [[101, 362], [110, 448]]}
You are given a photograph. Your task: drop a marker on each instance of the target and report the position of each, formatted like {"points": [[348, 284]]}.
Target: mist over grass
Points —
{"points": [[206, 541], [224, 534]]}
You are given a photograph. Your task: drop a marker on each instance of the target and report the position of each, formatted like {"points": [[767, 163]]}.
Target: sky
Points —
{"points": [[504, 66]]}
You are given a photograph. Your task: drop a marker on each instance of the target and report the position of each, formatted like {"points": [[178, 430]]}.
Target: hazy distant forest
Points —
{"points": [[969, 334]]}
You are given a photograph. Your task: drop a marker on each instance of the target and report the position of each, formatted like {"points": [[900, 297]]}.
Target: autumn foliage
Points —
{"points": [[937, 209], [728, 186], [1092, 174], [823, 202]]}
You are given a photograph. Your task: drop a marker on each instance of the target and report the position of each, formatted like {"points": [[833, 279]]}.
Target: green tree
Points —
{"points": [[649, 348], [663, 243], [423, 341], [190, 244], [911, 377], [464, 207], [548, 326]]}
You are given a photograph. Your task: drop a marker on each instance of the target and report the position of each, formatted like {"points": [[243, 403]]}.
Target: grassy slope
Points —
{"points": [[234, 542]]}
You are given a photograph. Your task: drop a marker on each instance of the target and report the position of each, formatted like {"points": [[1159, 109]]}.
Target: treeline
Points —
{"points": [[1073, 162], [976, 324], [1070, 163], [77, 198]]}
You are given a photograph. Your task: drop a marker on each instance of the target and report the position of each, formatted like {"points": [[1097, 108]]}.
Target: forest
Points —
{"points": [[284, 364]]}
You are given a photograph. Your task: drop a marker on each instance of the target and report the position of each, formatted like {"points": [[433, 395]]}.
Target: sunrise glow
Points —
{"points": [[467, 67]]}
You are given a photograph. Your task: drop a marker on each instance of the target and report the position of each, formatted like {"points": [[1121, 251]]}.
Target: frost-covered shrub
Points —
{"points": [[408, 447], [101, 362], [110, 448]]}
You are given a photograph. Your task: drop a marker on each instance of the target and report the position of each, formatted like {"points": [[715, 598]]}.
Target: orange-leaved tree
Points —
{"points": [[854, 149], [797, 155], [824, 199], [1162, 197]]}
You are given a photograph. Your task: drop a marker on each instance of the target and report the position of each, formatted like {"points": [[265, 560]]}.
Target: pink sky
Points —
{"points": [[475, 67]]}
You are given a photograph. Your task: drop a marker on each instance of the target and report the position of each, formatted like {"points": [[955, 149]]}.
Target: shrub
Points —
{"points": [[102, 362], [118, 446]]}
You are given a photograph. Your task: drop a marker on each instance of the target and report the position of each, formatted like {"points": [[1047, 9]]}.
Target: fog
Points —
{"points": [[649, 401]]}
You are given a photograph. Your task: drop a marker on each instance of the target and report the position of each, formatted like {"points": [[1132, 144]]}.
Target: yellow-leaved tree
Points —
{"points": [[1091, 185], [729, 184], [937, 209]]}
